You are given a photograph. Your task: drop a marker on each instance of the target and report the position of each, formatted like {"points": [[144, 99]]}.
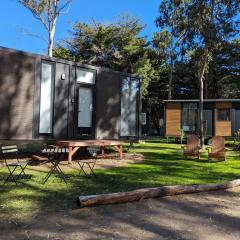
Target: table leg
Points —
{"points": [[119, 149], [70, 153], [102, 149]]}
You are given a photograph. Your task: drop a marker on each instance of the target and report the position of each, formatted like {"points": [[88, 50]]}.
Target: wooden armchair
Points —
{"points": [[217, 150], [193, 146]]}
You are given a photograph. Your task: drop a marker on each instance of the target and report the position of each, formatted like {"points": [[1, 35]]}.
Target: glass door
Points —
{"points": [[84, 112], [190, 118], [84, 108]]}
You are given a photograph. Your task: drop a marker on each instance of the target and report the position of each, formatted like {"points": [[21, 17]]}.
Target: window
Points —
{"points": [[189, 117], [46, 98], [130, 91], [223, 114], [85, 76]]}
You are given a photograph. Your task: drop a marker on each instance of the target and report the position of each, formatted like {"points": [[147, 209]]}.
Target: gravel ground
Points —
{"points": [[213, 215]]}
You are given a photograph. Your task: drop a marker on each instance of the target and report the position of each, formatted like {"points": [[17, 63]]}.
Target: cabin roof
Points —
{"points": [[205, 100], [64, 61]]}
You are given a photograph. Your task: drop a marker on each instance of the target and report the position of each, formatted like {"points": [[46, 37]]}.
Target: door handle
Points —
{"points": [[91, 107]]}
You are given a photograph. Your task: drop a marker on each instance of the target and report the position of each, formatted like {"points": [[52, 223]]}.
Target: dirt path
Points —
{"points": [[204, 216]]}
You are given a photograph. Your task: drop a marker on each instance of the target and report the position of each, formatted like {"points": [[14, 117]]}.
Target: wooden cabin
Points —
{"points": [[221, 117]]}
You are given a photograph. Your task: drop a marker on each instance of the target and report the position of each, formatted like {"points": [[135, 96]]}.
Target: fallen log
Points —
{"points": [[136, 195]]}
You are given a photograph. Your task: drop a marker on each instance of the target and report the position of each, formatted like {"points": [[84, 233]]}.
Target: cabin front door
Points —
{"points": [[85, 106]]}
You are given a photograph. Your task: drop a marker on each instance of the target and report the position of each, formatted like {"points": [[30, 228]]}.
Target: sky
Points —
{"points": [[20, 30]]}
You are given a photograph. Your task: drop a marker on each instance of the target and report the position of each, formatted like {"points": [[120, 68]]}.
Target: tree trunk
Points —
{"points": [[50, 45], [170, 72], [145, 193], [206, 88], [52, 29], [170, 82], [201, 110]]}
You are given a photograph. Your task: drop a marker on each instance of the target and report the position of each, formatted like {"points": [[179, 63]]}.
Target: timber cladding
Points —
{"points": [[223, 128], [173, 119], [223, 105]]}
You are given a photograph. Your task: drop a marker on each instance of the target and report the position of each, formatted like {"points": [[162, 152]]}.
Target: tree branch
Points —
{"points": [[67, 3]]}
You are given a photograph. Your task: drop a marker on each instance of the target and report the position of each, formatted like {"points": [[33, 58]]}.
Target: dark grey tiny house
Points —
{"points": [[49, 98], [221, 117]]}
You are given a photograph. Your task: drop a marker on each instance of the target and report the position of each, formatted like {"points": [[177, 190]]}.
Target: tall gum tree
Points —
{"points": [[210, 24], [202, 27], [47, 12], [170, 16]]}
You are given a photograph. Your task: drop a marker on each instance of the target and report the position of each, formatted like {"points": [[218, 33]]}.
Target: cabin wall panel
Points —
{"points": [[17, 75], [236, 117], [108, 105], [223, 105], [223, 128], [61, 101], [173, 119], [208, 118]]}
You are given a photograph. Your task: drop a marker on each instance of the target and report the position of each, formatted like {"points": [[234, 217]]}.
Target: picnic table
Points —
{"points": [[74, 145]]}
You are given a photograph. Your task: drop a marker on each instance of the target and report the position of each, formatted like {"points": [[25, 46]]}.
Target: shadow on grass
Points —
{"points": [[156, 218], [163, 165]]}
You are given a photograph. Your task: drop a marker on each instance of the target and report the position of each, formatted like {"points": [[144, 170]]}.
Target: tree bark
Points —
{"points": [[51, 39], [48, 16], [201, 109], [170, 72], [170, 82], [52, 29], [111, 198], [50, 44]]}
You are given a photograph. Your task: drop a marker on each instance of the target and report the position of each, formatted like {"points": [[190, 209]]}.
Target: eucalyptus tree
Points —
{"points": [[209, 24], [47, 12], [171, 15], [202, 26]]}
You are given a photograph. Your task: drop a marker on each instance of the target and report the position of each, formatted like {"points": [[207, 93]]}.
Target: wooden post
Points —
{"points": [[102, 149], [119, 149], [70, 152]]}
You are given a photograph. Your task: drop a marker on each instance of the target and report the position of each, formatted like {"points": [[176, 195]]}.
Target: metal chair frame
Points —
{"points": [[53, 155], [90, 163], [55, 160], [13, 152]]}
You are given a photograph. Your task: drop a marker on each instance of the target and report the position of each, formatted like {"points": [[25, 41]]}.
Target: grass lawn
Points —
{"points": [[163, 165]]}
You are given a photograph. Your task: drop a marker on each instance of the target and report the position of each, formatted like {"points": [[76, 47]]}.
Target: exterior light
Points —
{"points": [[63, 76]]}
